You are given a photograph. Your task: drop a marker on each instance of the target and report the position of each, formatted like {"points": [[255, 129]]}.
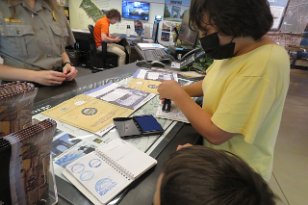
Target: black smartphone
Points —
{"points": [[137, 126]]}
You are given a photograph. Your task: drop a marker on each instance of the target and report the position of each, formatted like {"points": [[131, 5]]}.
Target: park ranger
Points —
{"points": [[33, 37]]}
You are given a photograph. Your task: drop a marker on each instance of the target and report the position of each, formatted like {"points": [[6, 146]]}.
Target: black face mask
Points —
{"points": [[213, 49]]}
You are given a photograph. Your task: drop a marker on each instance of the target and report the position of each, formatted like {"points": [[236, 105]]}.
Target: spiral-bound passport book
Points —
{"points": [[105, 172]]}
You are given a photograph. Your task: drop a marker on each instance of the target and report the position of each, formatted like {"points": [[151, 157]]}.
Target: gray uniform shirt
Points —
{"points": [[33, 39]]}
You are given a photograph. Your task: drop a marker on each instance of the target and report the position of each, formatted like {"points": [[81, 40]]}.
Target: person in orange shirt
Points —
{"points": [[101, 33]]}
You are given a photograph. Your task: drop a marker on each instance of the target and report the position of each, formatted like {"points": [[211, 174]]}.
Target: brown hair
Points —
{"points": [[113, 13], [202, 176]]}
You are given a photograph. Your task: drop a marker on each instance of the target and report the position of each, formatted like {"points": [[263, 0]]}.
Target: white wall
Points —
{"points": [[80, 20], [78, 17]]}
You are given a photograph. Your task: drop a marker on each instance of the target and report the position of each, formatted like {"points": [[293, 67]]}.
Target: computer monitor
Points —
{"points": [[135, 10], [186, 35]]}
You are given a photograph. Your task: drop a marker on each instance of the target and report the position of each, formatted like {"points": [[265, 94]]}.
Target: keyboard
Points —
{"points": [[155, 54]]}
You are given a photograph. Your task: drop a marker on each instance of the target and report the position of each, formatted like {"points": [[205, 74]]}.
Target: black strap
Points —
{"points": [[20, 61]]}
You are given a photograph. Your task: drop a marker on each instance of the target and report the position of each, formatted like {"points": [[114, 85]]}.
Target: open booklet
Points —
{"points": [[105, 172], [94, 110]]}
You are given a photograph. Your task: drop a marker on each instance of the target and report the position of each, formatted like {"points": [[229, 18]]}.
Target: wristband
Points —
{"points": [[67, 62]]}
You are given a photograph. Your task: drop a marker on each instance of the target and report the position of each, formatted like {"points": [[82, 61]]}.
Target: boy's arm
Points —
{"points": [[194, 89]]}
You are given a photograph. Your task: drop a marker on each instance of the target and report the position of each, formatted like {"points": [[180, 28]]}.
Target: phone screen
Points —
{"points": [[148, 124]]}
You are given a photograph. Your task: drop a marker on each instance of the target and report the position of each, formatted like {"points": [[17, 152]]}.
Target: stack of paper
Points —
{"points": [[149, 46]]}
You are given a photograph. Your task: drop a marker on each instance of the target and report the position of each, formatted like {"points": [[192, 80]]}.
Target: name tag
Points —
{"points": [[12, 20]]}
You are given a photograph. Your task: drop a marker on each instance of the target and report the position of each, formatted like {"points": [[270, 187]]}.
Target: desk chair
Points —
{"points": [[100, 60]]}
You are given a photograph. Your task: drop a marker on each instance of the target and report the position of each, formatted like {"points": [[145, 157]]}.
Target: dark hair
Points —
{"points": [[113, 13], [233, 17], [200, 175]]}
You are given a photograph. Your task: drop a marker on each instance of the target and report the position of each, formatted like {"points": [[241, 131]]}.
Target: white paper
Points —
{"points": [[122, 96], [174, 114], [127, 156], [149, 46], [155, 74]]}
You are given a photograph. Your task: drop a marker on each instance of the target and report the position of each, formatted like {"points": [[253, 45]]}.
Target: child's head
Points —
{"points": [[199, 175], [114, 16]]}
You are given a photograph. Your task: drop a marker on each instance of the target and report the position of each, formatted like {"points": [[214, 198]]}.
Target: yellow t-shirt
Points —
{"points": [[245, 95]]}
